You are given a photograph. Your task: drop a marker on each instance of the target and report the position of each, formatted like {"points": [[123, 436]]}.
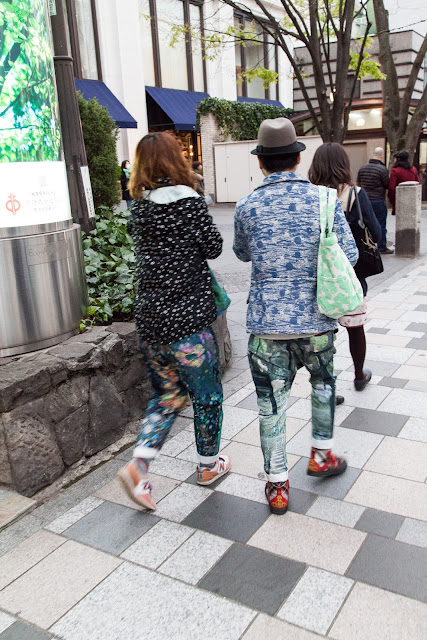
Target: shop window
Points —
{"points": [[365, 119]]}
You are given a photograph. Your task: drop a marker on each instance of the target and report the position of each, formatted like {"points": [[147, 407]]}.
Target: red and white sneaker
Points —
{"points": [[277, 494], [207, 475], [134, 479], [324, 463]]}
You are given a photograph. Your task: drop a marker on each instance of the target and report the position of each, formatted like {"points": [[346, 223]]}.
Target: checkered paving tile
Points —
{"points": [[91, 563]]}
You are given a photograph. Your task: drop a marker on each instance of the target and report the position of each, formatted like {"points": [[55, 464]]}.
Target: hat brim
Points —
{"points": [[295, 147]]}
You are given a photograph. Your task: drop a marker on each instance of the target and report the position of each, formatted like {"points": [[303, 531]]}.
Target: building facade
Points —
{"points": [[159, 58], [365, 118]]}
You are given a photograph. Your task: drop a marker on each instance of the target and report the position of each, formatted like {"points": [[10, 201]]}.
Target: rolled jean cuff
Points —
{"points": [[277, 477], [147, 453], [322, 444], [203, 460]]}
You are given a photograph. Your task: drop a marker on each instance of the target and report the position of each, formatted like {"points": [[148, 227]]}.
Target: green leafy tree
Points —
{"points": [[100, 136], [321, 26], [29, 127]]}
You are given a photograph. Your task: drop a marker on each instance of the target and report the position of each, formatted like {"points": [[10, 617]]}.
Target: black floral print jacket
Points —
{"points": [[172, 242]]}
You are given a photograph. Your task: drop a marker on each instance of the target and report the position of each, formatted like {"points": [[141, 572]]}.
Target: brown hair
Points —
{"points": [[159, 158], [330, 166]]}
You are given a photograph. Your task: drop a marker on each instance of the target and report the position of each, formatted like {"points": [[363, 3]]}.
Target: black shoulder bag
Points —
{"points": [[369, 262]]}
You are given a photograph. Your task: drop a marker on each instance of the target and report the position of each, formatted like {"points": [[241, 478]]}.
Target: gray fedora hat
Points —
{"points": [[277, 137]]}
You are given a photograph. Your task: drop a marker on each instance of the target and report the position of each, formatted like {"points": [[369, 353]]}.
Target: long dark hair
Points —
{"points": [[330, 166], [402, 160]]}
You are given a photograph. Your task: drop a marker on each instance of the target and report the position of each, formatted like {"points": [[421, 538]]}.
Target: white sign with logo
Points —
{"points": [[88, 191], [33, 193]]}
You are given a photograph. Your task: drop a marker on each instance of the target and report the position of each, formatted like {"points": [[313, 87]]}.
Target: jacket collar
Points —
{"points": [[283, 176], [376, 161]]}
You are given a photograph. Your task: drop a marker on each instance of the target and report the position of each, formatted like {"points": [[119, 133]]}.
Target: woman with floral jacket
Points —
{"points": [[173, 236]]}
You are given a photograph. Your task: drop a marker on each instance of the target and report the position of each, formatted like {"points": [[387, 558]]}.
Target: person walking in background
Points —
{"points": [[331, 167], [402, 171], [173, 237], [374, 179], [124, 181], [198, 175], [277, 228]]}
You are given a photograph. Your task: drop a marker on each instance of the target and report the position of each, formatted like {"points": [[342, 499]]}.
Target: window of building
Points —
{"points": [[86, 38], [196, 20], [181, 66], [173, 60], [260, 52], [365, 119], [82, 36], [146, 25]]}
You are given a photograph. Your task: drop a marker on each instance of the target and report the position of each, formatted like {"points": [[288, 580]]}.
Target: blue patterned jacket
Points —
{"points": [[277, 227]]}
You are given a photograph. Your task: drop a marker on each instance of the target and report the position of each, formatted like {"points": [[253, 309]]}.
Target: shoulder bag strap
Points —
{"points": [[323, 209], [347, 211], [327, 200], [359, 210], [332, 199]]}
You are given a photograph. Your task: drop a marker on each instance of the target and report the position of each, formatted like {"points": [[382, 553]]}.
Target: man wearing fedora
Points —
{"points": [[277, 228]]}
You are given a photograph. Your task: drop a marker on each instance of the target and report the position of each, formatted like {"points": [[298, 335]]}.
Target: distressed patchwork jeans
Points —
{"points": [[189, 365], [274, 364]]}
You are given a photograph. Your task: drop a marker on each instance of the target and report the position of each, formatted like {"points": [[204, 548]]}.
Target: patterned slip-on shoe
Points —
{"points": [[207, 475], [324, 463], [359, 385], [277, 494], [134, 479]]}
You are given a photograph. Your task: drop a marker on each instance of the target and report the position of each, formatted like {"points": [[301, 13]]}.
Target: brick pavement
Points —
{"points": [[348, 561]]}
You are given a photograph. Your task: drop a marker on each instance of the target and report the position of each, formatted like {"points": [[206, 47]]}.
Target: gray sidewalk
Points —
{"points": [[348, 561]]}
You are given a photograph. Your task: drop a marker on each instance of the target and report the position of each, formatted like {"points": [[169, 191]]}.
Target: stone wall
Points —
{"points": [[62, 405]]}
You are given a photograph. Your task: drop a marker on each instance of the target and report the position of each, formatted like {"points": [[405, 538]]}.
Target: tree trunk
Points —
{"points": [[400, 134]]}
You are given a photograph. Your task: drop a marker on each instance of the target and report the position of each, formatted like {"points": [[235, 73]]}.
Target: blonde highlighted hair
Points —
{"points": [[158, 158]]}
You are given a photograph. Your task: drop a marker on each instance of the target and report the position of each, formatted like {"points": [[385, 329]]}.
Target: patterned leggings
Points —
{"points": [[274, 364], [189, 365]]}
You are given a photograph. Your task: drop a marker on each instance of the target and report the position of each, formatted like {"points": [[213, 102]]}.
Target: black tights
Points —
{"points": [[357, 340]]}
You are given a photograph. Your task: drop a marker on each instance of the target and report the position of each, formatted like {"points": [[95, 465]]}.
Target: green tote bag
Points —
{"points": [[338, 289]]}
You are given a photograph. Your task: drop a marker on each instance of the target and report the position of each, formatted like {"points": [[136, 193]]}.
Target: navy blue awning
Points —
{"points": [[179, 106], [95, 89], [262, 100]]}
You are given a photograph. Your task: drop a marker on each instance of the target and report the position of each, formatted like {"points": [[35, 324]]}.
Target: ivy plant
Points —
{"points": [[109, 263], [239, 120]]}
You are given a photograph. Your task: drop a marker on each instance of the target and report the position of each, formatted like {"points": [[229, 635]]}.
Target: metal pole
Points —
{"points": [[72, 134]]}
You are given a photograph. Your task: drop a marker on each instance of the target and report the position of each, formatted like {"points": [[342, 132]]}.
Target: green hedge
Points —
{"points": [[240, 120], [100, 136]]}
